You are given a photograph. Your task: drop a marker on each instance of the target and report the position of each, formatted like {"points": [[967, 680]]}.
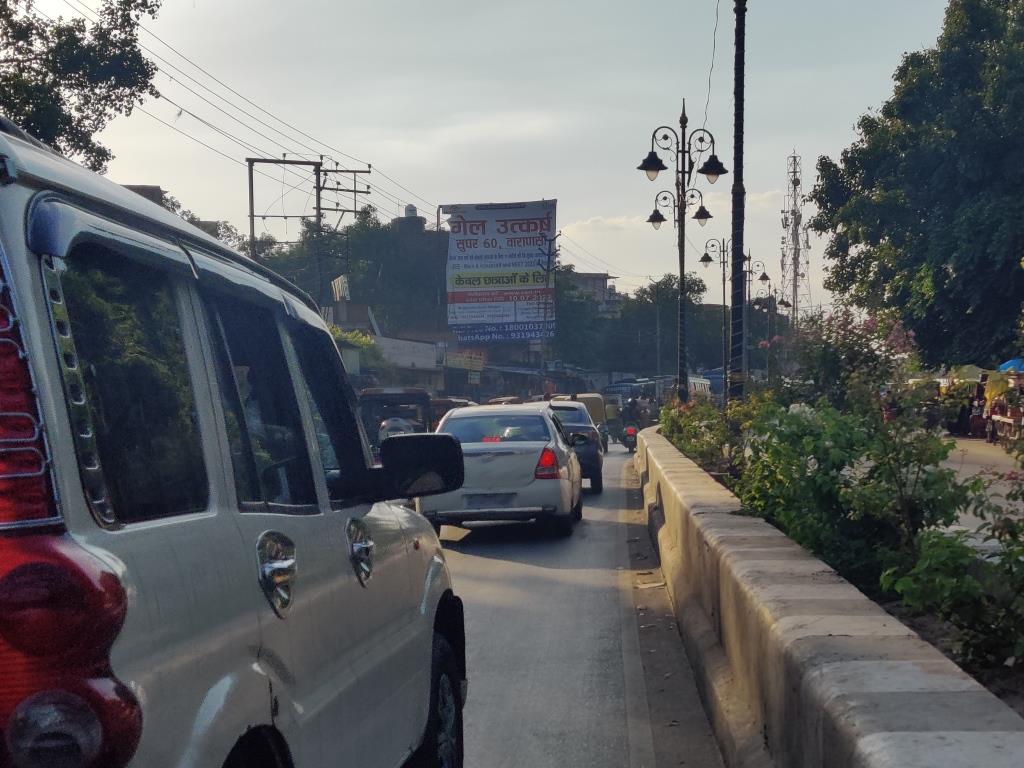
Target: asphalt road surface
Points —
{"points": [[971, 458], [573, 656]]}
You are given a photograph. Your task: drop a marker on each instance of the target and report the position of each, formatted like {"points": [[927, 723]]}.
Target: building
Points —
{"points": [[596, 287]]}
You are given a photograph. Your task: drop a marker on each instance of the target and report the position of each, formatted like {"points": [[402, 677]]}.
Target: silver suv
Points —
{"points": [[199, 566]]}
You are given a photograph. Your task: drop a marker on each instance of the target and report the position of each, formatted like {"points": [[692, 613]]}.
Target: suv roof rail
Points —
{"points": [[11, 128]]}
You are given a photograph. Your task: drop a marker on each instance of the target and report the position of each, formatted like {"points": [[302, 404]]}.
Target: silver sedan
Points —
{"points": [[520, 465]]}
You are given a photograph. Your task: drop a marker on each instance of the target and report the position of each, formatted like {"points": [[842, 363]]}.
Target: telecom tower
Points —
{"points": [[796, 245]]}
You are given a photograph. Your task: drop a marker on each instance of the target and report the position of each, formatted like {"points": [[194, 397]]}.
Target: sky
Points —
{"points": [[466, 102]]}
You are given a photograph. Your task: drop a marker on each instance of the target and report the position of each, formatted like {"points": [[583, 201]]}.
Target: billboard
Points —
{"points": [[498, 280]]}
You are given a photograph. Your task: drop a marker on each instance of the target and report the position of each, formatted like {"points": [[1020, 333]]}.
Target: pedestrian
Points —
{"points": [[549, 389]]}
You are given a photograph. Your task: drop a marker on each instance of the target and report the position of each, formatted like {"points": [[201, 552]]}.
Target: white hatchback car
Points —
{"points": [[519, 465], [199, 567]]}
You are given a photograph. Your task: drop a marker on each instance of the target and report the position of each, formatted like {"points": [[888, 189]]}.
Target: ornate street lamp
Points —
{"points": [[686, 149], [721, 249], [768, 301]]}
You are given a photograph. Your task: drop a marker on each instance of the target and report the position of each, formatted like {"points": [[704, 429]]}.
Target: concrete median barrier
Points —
{"points": [[797, 667]]}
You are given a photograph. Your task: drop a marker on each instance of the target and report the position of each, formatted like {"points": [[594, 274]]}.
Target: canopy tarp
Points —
{"points": [[1016, 364], [966, 373]]}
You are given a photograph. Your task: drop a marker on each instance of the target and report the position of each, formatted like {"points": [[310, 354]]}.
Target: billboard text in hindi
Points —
{"points": [[498, 277]]}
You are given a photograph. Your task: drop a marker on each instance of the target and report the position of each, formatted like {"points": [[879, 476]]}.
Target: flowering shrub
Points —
{"points": [[798, 464], [853, 470], [713, 439], [855, 488], [698, 430], [982, 595], [843, 357]]}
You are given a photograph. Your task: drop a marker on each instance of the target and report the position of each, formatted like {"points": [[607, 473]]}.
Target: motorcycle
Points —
{"points": [[629, 437]]}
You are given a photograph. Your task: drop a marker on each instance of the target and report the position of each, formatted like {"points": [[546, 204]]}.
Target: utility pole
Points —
{"points": [[319, 187], [251, 162], [549, 298], [737, 383]]}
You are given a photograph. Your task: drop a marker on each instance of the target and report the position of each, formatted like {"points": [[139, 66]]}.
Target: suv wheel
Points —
{"points": [[442, 743], [597, 483]]}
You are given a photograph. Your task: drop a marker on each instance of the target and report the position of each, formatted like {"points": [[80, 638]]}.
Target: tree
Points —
{"points": [[631, 343], [578, 326], [924, 209], [63, 80]]}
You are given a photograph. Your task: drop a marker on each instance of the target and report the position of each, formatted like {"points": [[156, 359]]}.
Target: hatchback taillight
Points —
{"points": [[60, 606], [547, 466]]}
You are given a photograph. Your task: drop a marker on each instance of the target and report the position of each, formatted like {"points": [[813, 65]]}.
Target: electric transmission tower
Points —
{"points": [[796, 245]]}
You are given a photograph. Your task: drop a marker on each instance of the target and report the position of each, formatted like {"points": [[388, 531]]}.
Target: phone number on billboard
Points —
{"points": [[505, 336]]}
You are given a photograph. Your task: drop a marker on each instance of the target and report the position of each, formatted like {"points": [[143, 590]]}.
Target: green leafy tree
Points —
{"points": [[924, 209], [632, 341], [579, 329], [64, 80]]}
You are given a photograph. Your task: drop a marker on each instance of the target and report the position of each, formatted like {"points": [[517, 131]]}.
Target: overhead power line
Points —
{"points": [[88, 13], [711, 69]]}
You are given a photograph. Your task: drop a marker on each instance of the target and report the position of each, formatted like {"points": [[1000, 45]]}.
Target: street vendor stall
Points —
{"points": [[1003, 401]]}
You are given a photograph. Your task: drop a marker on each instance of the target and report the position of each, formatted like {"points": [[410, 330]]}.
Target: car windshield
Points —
{"points": [[497, 428]]}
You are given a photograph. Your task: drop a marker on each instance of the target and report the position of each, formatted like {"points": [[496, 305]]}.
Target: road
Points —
{"points": [[573, 656], [971, 458]]}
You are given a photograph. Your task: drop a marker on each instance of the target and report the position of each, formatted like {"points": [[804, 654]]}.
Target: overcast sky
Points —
{"points": [[464, 102]]}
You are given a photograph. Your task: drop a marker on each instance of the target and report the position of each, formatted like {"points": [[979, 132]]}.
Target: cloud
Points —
{"points": [[598, 224], [462, 131]]}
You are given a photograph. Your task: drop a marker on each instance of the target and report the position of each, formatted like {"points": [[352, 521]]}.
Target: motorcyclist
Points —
{"points": [[631, 413]]}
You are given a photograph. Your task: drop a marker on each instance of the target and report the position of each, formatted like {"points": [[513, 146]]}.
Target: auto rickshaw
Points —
{"points": [[613, 405]]}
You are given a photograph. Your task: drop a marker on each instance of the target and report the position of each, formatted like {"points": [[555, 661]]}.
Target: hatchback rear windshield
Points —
{"points": [[499, 428], [577, 417]]}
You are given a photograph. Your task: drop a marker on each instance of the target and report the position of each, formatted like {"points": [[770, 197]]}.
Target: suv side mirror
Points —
{"points": [[421, 465], [578, 439]]}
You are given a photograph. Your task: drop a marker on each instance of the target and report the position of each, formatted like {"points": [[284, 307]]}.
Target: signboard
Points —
{"points": [[498, 277], [407, 354], [467, 359]]}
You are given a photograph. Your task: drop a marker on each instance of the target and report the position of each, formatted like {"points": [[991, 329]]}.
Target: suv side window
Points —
{"points": [[342, 453], [264, 426], [126, 327]]}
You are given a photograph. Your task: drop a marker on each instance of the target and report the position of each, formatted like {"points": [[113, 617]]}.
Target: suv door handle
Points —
{"points": [[275, 558]]}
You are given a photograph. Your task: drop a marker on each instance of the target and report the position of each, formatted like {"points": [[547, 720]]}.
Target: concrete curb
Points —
{"points": [[793, 661]]}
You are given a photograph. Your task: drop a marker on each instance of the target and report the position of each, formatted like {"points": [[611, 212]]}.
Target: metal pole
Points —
{"points": [[682, 158], [657, 329], [737, 374], [252, 216], [316, 236], [724, 260], [746, 316]]}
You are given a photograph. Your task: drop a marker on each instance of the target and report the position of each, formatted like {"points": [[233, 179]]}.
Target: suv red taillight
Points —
{"points": [[60, 606], [547, 466], [24, 482]]}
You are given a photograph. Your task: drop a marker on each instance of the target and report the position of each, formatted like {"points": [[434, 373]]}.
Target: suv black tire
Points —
{"points": [[444, 718], [597, 483]]}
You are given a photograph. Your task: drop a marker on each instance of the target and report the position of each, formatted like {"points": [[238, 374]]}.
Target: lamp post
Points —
{"points": [[753, 270], [738, 360], [769, 301], [721, 249], [686, 150]]}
